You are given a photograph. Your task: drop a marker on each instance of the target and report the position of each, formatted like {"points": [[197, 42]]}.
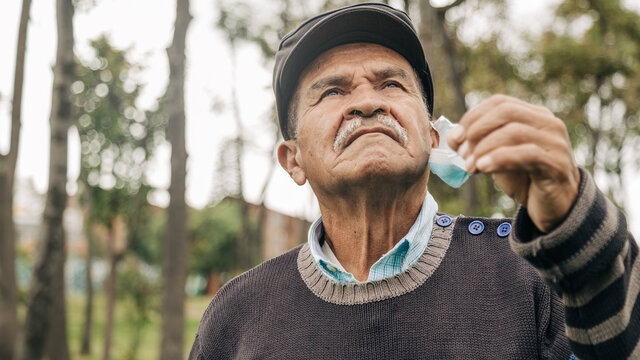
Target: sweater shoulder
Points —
{"points": [[485, 241], [494, 230], [234, 306], [269, 274]]}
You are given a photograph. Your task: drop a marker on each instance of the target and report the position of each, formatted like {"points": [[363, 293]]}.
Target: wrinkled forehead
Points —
{"points": [[351, 55]]}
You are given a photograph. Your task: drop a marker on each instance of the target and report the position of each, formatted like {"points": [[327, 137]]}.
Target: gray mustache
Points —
{"points": [[355, 123]]}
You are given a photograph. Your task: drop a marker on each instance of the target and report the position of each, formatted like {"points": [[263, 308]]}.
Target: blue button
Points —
{"points": [[504, 229], [476, 227], [444, 220]]}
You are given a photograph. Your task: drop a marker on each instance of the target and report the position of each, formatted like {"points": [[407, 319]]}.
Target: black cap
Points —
{"points": [[369, 23]]}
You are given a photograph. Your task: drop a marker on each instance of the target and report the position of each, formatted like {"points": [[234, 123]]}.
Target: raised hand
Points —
{"points": [[527, 151]]}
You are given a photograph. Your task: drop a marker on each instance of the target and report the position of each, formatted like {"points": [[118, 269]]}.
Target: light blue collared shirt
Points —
{"points": [[404, 254]]}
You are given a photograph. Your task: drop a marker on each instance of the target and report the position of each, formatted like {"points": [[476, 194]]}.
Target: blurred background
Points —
{"points": [[137, 164]]}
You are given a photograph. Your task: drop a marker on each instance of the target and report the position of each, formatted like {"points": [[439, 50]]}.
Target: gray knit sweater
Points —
{"points": [[467, 297]]}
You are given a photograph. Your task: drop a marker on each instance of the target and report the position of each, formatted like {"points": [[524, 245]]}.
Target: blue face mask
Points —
{"points": [[443, 161]]}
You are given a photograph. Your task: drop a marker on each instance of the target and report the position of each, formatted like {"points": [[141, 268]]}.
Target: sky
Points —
{"points": [[146, 27]]}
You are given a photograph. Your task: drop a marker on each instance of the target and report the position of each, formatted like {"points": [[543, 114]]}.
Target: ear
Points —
{"points": [[288, 158], [435, 137]]}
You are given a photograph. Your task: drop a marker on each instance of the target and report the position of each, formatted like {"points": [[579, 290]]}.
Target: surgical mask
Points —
{"points": [[443, 161]]}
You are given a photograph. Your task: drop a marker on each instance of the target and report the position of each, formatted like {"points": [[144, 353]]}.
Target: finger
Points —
{"points": [[516, 133], [509, 113], [530, 158], [494, 101], [455, 137]]}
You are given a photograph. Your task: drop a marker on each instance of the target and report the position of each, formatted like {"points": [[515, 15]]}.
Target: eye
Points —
{"points": [[392, 84], [330, 92]]}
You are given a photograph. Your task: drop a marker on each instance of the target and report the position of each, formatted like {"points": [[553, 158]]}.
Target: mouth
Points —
{"points": [[373, 130]]}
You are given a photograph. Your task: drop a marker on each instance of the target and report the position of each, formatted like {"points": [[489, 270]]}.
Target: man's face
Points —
{"points": [[361, 121]]}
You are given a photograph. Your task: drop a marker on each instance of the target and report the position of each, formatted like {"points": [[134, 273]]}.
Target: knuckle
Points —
{"points": [[558, 124], [544, 110], [499, 98], [506, 108]]}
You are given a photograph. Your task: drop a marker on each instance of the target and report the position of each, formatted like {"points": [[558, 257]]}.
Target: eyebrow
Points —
{"points": [[329, 81], [340, 80], [391, 72]]}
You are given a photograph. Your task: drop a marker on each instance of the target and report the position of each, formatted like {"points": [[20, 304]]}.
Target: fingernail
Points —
{"points": [[484, 162], [469, 164], [455, 134], [463, 150]]}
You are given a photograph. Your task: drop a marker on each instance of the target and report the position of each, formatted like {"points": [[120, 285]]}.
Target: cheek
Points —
{"points": [[415, 121], [321, 124]]}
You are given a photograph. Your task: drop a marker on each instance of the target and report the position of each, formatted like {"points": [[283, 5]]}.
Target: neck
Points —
{"points": [[362, 227]]}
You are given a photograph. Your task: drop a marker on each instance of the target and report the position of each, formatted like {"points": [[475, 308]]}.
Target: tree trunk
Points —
{"points": [[174, 253], [111, 304], [49, 263], [263, 192], [244, 242], [116, 246], [8, 289], [88, 310], [58, 347]]}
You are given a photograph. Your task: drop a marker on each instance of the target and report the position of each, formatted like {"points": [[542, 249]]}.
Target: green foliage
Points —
{"points": [[117, 139], [585, 68], [138, 290], [123, 333], [590, 77], [239, 21], [145, 240], [214, 233]]}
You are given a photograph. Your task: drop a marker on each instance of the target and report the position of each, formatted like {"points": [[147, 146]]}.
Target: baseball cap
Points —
{"points": [[367, 22]]}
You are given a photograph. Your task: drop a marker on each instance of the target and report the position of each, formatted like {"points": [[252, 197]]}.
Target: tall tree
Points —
{"points": [[244, 25], [8, 289], [174, 252], [46, 293], [236, 28], [116, 141]]}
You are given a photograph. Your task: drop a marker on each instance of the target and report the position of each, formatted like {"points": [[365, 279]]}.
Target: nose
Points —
{"points": [[366, 103]]}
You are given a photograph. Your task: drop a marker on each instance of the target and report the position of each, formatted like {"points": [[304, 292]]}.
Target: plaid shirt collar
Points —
{"points": [[398, 259]]}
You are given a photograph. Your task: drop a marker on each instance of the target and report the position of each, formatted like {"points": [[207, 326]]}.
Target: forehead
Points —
{"points": [[351, 56]]}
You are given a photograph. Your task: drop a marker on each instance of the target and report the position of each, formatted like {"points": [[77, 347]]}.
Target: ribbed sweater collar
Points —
{"points": [[364, 292]]}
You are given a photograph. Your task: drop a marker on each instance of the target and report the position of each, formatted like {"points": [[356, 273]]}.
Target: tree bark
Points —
{"points": [[8, 289], [49, 263], [174, 253], [88, 310], [58, 346], [111, 304], [116, 247], [244, 241]]}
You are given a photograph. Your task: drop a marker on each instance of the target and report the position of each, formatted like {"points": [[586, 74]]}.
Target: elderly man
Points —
{"points": [[383, 275]]}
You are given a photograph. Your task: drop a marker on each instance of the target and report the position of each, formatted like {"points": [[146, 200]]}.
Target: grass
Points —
{"points": [[123, 331]]}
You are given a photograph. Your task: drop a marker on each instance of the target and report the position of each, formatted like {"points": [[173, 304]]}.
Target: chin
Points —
{"points": [[378, 173]]}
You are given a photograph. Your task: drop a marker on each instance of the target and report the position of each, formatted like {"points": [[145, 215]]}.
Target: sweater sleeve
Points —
{"points": [[591, 261]]}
